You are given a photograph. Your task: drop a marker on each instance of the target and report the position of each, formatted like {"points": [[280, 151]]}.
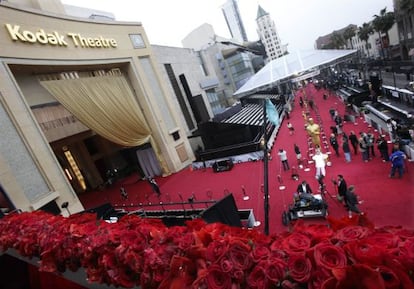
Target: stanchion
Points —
{"points": [[280, 180], [245, 196], [307, 168], [295, 174], [147, 198], [182, 203]]}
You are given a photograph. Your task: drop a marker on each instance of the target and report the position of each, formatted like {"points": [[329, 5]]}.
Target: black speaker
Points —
{"points": [[51, 207], [224, 211], [102, 212]]}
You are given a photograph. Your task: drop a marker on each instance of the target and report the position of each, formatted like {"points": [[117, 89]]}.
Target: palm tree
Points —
{"points": [[407, 5], [364, 32], [348, 34], [383, 23]]}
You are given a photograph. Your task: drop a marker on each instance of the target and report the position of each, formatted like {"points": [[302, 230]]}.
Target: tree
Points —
{"points": [[382, 23], [364, 32], [348, 34], [407, 6], [337, 41]]}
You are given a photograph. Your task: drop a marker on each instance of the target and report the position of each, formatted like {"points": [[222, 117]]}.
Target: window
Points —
{"points": [[137, 41]]}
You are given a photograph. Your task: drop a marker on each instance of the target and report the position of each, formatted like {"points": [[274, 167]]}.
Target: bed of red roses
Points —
{"points": [[350, 253]]}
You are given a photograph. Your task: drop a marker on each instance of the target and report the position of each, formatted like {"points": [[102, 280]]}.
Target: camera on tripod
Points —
{"points": [[322, 185]]}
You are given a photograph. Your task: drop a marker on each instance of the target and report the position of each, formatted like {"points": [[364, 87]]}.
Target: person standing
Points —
{"points": [[291, 128], [320, 160], [363, 147], [283, 158], [397, 159], [341, 187], [287, 110], [124, 193], [154, 186], [304, 188], [354, 141], [339, 123], [382, 146], [370, 140], [352, 201], [346, 149], [298, 155], [334, 144]]}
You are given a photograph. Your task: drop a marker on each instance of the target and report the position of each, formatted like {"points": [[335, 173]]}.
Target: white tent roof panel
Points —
{"points": [[290, 66]]}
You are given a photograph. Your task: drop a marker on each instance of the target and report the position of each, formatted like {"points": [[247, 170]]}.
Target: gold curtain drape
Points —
{"points": [[107, 105]]}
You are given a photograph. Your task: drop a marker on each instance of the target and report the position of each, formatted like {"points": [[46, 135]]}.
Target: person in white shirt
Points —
{"points": [[283, 158], [320, 160]]}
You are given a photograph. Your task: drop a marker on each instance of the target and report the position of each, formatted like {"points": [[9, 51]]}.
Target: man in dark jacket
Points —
{"points": [[352, 201], [304, 188], [342, 187]]}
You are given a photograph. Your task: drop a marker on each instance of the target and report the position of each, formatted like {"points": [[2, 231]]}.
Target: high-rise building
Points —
{"points": [[267, 31], [234, 22]]}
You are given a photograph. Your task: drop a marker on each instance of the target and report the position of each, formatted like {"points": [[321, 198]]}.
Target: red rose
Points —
{"points": [[351, 233], [399, 271], [318, 277], [364, 252], [217, 279], [406, 254], [239, 255], [384, 239], [201, 281], [226, 265], [296, 243], [356, 276], [275, 270], [329, 256], [300, 267], [216, 250], [402, 233], [259, 253], [318, 232], [238, 276], [391, 280], [287, 284], [257, 278]]}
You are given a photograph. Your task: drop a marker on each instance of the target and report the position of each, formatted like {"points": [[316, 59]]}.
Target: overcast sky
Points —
{"points": [[299, 22]]}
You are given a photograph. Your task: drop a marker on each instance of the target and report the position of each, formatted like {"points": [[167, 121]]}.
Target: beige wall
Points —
{"points": [[22, 59]]}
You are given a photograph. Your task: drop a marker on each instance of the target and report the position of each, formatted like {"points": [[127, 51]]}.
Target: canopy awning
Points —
{"points": [[292, 66]]}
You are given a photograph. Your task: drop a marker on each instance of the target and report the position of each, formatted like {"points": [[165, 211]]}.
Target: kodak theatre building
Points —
{"points": [[79, 99]]}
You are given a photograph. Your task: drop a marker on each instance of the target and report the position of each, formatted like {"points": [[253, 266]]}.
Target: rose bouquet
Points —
{"points": [[349, 253]]}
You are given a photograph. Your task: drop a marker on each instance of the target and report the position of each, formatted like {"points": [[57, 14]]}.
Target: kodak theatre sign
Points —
{"points": [[54, 38]]}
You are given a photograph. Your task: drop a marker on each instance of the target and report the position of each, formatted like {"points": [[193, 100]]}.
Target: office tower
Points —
{"points": [[234, 22]]}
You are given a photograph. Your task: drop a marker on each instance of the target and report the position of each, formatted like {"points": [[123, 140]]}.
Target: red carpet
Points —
{"points": [[386, 201]]}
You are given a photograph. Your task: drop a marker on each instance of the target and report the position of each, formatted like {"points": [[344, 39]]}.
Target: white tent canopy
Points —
{"points": [[291, 66]]}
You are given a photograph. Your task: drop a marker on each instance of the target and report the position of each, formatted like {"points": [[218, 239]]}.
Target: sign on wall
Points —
{"points": [[55, 38]]}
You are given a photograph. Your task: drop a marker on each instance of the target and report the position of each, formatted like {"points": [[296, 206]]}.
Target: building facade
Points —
{"points": [[79, 99], [227, 65], [234, 21], [372, 48], [266, 29], [404, 17]]}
